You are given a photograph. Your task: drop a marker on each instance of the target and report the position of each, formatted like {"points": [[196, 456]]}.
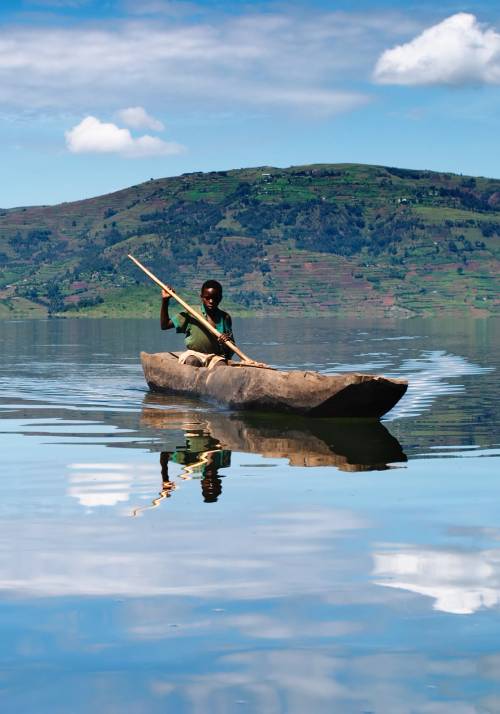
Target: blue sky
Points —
{"points": [[97, 96]]}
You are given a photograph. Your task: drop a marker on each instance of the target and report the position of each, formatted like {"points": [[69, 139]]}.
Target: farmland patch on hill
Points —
{"points": [[316, 239]]}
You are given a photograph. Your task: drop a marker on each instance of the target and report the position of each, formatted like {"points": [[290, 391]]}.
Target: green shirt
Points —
{"points": [[198, 338], [219, 459]]}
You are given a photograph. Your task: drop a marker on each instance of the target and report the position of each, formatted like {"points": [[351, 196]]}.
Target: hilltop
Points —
{"points": [[322, 239]]}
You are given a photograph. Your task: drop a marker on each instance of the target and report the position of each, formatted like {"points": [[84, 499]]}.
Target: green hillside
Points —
{"points": [[323, 238]]}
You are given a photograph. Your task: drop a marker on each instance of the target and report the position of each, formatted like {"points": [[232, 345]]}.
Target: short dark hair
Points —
{"points": [[212, 284]]}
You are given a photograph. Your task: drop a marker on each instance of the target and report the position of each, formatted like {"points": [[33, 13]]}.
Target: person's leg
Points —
{"points": [[199, 359], [216, 361], [192, 358]]}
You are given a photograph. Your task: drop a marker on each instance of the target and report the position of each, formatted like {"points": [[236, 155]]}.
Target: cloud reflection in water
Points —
{"points": [[279, 555], [459, 582]]}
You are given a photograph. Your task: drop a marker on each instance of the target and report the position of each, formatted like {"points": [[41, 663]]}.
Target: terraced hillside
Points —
{"points": [[309, 239]]}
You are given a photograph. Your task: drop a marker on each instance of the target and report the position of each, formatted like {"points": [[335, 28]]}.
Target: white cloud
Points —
{"points": [[321, 101], [456, 51], [93, 136], [138, 118], [294, 61]]}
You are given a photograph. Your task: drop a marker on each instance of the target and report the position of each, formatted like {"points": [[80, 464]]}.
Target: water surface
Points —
{"points": [[160, 554]]}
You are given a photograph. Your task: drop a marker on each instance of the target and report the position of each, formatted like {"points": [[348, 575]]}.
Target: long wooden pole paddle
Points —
{"points": [[193, 312]]}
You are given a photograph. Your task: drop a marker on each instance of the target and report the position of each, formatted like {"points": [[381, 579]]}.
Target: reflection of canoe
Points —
{"points": [[356, 445], [250, 388]]}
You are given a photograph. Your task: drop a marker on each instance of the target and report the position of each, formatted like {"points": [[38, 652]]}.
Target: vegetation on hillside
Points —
{"points": [[308, 239]]}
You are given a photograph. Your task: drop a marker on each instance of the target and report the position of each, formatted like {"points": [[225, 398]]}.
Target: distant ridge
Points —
{"points": [[318, 239]]}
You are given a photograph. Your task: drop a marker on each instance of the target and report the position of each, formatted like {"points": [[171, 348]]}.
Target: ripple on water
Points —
{"points": [[428, 378]]}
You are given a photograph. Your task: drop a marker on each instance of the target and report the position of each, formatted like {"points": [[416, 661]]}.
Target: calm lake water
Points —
{"points": [[164, 555]]}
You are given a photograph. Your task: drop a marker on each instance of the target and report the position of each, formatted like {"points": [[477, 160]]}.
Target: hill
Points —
{"points": [[320, 239]]}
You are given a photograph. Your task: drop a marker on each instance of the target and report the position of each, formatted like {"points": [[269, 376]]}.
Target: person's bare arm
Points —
{"points": [[165, 321], [227, 336]]}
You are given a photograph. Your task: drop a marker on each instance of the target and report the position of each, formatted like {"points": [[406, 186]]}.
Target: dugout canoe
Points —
{"points": [[267, 390]]}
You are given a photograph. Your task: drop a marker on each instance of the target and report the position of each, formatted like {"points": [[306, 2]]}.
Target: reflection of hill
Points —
{"points": [[349, 445]]}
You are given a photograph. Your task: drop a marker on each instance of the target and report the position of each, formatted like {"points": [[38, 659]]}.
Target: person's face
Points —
{"points": [[211, 298]]}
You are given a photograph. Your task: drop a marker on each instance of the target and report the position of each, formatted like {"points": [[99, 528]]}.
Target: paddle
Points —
{"points": [[194, 313]]}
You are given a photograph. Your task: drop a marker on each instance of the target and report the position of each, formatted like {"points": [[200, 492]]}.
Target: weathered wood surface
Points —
{"points": [[247, 388]]}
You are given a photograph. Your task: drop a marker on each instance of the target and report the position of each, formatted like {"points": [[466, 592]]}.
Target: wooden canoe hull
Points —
{"points": [[253, 389]]}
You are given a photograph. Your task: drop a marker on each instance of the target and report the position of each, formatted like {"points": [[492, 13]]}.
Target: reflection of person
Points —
{"points": [[211, 483], [203, 348], [201, 457], [167, 484]]}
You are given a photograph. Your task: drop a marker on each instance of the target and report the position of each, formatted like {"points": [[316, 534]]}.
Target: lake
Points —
{"points": [[160, 554]]}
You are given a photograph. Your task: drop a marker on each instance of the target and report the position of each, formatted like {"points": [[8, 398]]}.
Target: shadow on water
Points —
{"points": [[209, 438]]}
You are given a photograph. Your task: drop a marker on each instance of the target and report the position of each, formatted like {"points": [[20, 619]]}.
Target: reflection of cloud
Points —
{"points": [[460, 583], [264, 560], [297, 681], [271, 628], [298, 678], [102, 484], [99, 489], [311, 527], [249, 625]]}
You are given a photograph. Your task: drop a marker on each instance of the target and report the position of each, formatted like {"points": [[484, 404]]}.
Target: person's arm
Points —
{"points": [[165, 321], [227, 335]]}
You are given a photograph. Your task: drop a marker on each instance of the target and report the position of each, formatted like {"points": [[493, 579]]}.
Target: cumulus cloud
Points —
{"points": [[138, 118], [94, 136], [456, 51]]}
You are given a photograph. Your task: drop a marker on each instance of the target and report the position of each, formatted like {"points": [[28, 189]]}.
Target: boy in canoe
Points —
{"points": [[203, 348]]}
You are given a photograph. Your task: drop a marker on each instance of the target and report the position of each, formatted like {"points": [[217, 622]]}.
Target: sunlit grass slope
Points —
{"points": [[317, 239]]}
